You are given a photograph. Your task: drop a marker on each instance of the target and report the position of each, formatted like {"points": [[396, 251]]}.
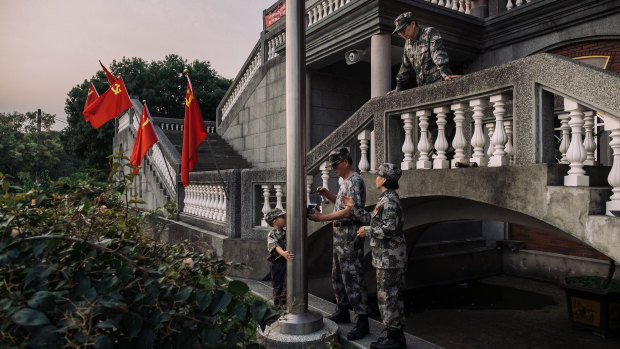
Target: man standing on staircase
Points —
{"points": [[424, 54], [347, 271]]}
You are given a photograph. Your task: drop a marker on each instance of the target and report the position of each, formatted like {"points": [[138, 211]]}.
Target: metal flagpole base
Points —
{"points": [[272, 338], [303, 323]]}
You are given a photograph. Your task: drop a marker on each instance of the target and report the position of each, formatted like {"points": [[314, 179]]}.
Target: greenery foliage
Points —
{"points": [[77, 270], [161, 83], [27, 151]]}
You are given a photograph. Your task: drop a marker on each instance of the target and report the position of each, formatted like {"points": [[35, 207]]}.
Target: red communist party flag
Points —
{"points": [[109, 105], [145, 138], [194, 132], [108, 75], [91, 97]]}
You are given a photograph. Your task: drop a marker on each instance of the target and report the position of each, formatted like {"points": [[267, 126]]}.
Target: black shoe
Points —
{"points": [[395, 340], [361, 328], [340, 316]]}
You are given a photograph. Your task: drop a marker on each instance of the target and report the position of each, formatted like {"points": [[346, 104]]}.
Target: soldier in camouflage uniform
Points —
{"points": [[424, 54], [389, 256], [347, 270], [278, 255]]}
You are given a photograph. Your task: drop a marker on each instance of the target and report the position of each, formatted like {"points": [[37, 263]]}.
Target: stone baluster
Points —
{"points": [[208, 202], [613, 125], [462, 6], [201, 200], [278, 189], [564, 117], [510, 151], [588, 142], [576, 152], [434, 1], [509, 5], [441, 143], [499, 138], [459, 142], [325, 167], [325, 9], [441, 3], [315, 15], [424, 144], [364, 138], [266, 205], [478, 141], [319, 7], [408, 147], [468, 7], [190, 198], [221, 204], [309, 180], [455, 5], [490, 128], [449, 4], [519, 2]]}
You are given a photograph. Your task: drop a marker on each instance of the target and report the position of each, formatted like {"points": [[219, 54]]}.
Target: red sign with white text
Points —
{"points": [[275, 15]]}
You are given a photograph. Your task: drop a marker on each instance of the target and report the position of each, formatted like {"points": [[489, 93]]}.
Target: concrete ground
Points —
{"points": [[497, 312]]}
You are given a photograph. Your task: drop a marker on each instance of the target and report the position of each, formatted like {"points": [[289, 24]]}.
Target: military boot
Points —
{"points": [[340, 316], [360, 329], [395, 339]]}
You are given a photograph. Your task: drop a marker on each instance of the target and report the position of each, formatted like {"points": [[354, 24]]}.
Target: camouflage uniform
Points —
{"points": [[389, 251], [277, 267], [347, 270], [426, 56]]}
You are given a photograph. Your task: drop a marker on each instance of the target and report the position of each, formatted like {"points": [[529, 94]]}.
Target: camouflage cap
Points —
{"points": [[402, 21], [389, 171], [273, 214], [339, 155]]}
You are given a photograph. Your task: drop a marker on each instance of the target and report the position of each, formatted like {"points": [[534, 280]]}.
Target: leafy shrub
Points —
{"points": [[76, 270]]}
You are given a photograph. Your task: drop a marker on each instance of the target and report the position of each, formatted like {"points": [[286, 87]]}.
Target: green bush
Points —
{"points": [[76, 270]]}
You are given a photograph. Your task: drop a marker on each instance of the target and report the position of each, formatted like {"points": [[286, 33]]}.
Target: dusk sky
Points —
{"points": [[49, 46]]}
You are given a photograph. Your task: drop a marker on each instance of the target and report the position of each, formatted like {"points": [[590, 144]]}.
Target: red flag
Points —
{"points": [[111, 78], [145, 138], [194, 132], [109, 105], [91, 97]]}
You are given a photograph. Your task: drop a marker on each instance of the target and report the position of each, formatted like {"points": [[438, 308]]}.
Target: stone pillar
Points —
{"points": [[308, 144], [380, 67]]}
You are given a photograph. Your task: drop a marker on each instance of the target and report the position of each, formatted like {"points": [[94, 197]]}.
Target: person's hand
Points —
{"points": [[348, 202], [361, 232], [315, 216], [390, 92], [288, 256], [322, 190], [450, 77]]}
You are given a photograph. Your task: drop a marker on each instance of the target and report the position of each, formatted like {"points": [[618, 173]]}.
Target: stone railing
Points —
{"points": [[171, 124], [246, 73], [323, 9], [463, 6], [206, 201], [510, 4], [123, 122], [273, 43]]}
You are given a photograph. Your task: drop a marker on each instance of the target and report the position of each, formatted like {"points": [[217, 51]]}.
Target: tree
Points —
{"points": [[160, 83], [27, 151]]}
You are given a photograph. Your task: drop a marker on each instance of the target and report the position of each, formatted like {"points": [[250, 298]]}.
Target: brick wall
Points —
{"points": [[594, 48], [540, 240]]}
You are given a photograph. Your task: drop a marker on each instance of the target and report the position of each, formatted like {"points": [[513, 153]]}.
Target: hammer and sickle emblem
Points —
{"points": [[188, 100], [90, 92], [116, 89], [145, 122]]}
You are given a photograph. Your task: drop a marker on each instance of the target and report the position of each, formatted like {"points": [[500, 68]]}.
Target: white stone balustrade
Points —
{"points": [[408, 147], [478, 140], [171, 126], [463, 6], [459, 142], [266, 205], [576, 153], [588, 141], [499, 139], [424, 144], [490, 128], [565, 129], [323, 9], [510, 152], [517, 3], [166, 170], [205, 201], [123, 122], [364, 138], [240, 85], [266, 192], [440, 159], [613, 125], [324, 168]]}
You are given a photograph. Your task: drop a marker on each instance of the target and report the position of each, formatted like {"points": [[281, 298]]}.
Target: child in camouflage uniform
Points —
{"points": [[276, 244], [389, 256]]}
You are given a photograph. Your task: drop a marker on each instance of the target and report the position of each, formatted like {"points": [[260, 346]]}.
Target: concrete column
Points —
{"points": [[308, 144], [380, 67]]}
